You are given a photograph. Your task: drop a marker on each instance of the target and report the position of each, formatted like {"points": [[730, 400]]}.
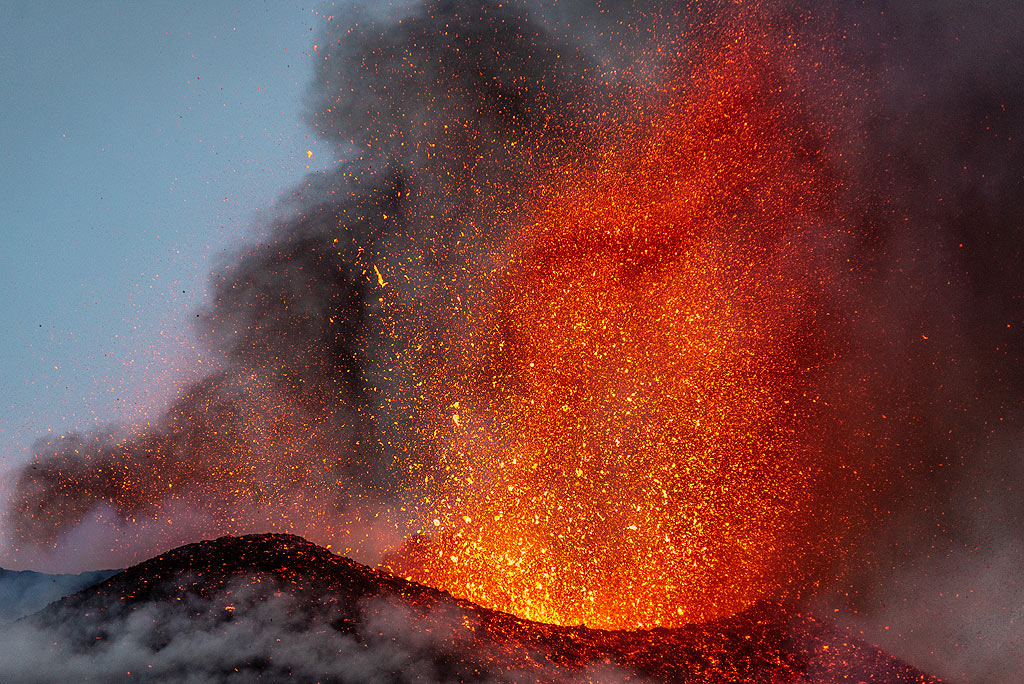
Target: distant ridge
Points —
{"points": [[24, 591]]}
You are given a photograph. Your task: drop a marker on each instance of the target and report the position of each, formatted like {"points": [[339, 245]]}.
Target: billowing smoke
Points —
{"points": [[451, 114]]}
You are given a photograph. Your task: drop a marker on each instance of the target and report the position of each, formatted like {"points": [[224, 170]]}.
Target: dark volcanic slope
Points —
{"points": [[275, 608]]}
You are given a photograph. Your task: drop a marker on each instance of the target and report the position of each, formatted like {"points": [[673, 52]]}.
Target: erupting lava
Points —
{"points": [[626, 432]]}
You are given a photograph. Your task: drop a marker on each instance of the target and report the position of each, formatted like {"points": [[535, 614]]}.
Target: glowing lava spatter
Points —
{"points": [[625, 432]]}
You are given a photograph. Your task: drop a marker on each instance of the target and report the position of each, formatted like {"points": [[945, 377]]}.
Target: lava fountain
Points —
{"points": [[625, 438]]}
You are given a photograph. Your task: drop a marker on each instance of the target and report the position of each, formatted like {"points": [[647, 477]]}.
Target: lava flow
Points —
{"points": [[626, 430]]}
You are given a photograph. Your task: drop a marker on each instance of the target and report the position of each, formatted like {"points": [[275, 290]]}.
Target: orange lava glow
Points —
{"points": [[626, 429]]}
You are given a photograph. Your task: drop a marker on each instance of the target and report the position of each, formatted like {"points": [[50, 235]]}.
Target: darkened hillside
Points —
{"points": [[278, 608]]}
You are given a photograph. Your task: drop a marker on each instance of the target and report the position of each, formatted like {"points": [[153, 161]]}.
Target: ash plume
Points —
{"points": [[450, 114]]}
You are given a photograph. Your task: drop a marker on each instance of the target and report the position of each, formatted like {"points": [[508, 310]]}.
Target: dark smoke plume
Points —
{"points": [[450, 114]]}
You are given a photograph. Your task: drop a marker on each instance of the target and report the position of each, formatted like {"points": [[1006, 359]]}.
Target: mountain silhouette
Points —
{"points": [[275, 607]]}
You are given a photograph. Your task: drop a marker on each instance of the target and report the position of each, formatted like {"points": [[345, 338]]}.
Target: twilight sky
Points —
{"points": [[139, 141]]}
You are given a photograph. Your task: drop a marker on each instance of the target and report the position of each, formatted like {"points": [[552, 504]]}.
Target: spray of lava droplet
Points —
{"points": [[626, 432]]}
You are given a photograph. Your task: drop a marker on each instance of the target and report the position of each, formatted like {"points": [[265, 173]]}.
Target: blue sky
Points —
{"points": [[139, 141]]}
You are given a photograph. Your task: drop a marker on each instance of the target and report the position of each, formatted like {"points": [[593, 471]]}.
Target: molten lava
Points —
{"points": [[625, 432]]}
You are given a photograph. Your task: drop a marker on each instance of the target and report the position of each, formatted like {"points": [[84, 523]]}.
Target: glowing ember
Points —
{"points": [[623, 435]]}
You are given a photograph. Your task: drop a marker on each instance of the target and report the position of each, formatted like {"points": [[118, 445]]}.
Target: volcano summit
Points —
{"points": [[278, 608]]}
